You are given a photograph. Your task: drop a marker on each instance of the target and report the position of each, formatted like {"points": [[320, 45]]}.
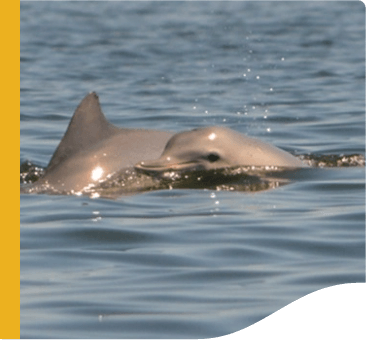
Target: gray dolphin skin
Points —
{"points": [[92, 150], [216, 148]]}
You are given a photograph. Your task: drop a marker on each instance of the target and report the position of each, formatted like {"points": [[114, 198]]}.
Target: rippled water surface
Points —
{"points": [[187, 263]]}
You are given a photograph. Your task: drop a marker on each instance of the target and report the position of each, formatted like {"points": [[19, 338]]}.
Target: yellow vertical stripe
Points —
{"points": [[9, 223]]}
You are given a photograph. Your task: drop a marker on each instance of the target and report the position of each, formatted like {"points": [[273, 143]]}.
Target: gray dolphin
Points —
{"points": [[92, 150], [216, 148]]}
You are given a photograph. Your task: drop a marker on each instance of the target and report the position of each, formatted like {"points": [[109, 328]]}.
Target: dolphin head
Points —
{"points": [[216, 148], [199, 149]]}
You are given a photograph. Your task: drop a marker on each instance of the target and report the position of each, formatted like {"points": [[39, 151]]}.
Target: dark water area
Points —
{"points": [[181, 262]]}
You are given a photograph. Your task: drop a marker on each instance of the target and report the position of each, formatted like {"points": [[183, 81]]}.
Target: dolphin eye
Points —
{"points": [[212, 157]]}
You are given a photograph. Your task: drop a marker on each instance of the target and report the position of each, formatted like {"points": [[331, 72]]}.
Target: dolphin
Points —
{"points": [[217, 147], [93, 150]]}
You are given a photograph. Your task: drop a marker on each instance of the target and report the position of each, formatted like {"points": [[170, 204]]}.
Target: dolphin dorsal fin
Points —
{"points": [[87, 127]]}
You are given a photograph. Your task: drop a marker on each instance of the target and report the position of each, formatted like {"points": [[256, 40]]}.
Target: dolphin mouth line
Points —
{"points": [[189, 165]]}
